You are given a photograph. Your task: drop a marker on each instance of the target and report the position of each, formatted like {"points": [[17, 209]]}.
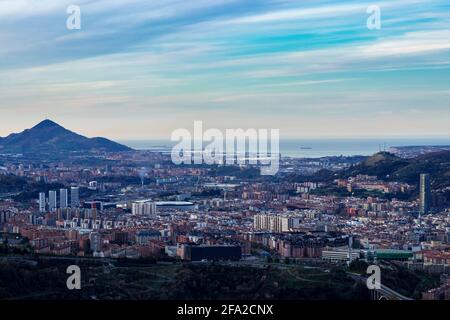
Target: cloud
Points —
{"points": [[293, 14], [19, 9], [409, 44]]}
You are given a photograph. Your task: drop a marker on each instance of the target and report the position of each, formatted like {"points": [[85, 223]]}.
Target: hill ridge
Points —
{"points": [[49, 136]]}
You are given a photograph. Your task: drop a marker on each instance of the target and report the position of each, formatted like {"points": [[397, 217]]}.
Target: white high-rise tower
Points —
{"points": [[42, 202]]}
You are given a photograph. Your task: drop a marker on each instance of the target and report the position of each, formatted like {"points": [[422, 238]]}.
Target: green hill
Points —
{"points": [[11, 183], [389, 167]]}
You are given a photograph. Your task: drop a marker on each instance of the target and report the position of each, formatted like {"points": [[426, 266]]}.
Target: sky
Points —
{"points": [[140, 69]]}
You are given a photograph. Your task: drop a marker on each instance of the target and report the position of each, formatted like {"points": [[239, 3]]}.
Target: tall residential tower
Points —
{"points": [[425, 193], [63, 199], [52, 204], [42, 201], [74, 197]]}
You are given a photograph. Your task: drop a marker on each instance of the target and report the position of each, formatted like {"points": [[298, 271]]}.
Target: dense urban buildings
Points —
{"points": [[198, 214]]}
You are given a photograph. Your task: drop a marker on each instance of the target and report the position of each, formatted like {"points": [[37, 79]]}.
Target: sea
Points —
{"points": [[316, 148]]}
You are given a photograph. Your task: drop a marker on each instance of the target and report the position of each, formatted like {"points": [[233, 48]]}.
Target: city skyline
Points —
{"points": [[312, 69], [220, 158]]}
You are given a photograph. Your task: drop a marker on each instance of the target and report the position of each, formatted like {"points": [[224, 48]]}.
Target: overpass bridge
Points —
{"points": [[384, 293]]}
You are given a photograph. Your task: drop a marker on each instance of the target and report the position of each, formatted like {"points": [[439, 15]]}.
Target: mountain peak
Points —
{"points": [[49, 137], [47, 123]]}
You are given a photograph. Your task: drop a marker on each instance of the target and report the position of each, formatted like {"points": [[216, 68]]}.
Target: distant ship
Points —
{"points": [[305, 148]]}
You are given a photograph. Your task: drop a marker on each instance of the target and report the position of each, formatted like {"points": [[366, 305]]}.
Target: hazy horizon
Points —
{"points": [[421, 140]]}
